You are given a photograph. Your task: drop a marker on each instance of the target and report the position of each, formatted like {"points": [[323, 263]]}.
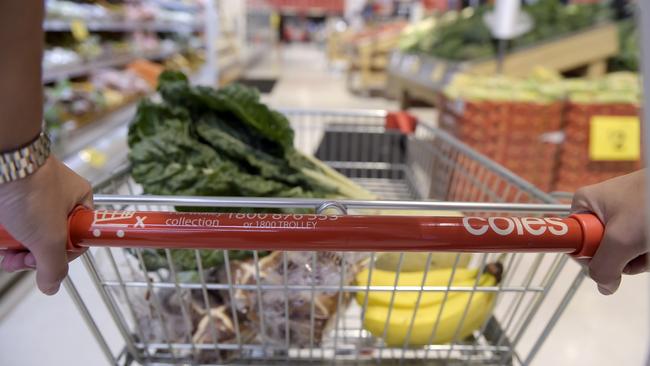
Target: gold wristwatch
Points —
{"points": [[25, 160]]}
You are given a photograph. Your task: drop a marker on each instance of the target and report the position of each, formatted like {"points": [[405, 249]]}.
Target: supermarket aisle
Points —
{"points": [[595, 330], [52, 324], [306, 82]]}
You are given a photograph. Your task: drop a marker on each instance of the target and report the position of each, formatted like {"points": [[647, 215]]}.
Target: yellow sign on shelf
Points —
{"points": [[614, 138], [93, 157], [79, 30]]}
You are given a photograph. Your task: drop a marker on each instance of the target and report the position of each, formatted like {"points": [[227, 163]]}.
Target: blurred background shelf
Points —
{"points": [[123, 26], [75, 70]]}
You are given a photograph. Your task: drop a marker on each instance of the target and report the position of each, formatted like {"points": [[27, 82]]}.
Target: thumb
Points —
{"points": [[51, 265]]}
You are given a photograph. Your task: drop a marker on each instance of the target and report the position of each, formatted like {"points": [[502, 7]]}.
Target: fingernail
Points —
{"points": [[52, 290], [604, 290], [30, 261]]}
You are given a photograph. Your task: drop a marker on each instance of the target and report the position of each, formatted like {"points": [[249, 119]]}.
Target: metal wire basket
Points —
{"points": [[157, 312]]}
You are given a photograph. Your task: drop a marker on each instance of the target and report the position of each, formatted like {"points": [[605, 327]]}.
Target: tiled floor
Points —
{"points": [[594, 330]]}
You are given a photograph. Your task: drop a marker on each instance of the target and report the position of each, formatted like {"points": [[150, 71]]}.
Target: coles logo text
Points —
{"points": [[515, 225]]}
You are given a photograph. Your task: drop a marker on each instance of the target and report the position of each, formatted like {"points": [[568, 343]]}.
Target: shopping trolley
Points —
{"points": [[236, 313]]}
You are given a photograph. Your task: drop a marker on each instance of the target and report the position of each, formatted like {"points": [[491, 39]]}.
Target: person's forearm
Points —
{"points": [[21, 90]]}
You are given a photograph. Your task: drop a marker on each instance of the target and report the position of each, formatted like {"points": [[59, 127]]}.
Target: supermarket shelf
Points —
{"points": [[55, 25], [420, 76], [100, 147], [53, 74]]}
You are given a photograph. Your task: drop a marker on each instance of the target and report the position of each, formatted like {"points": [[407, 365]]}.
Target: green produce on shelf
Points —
{"points": [[544, 86], [628, 58], [553, 19], [67, 101], [466, 37]]}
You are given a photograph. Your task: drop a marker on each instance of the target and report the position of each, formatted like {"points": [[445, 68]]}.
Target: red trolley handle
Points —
{"points": [[578, 235]]}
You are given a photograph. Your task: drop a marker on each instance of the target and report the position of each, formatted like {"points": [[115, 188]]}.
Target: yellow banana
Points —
{"points": [[376, 318], [436, 277], [407, 299]]}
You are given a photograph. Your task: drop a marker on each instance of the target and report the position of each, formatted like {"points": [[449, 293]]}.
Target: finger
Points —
{"points": [[87, 199], [74, 254], [637, 265], [51, 265], [82, 190], [608, 262], [30, 260], [5, 261], [585, 200], [6, 252], [15, 262]]}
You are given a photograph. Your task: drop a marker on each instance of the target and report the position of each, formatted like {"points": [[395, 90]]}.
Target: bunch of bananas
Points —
{"points": [[448, 324]]}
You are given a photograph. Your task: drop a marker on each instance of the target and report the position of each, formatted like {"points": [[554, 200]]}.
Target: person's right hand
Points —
{"points": [[619, 203], [34, 210]]}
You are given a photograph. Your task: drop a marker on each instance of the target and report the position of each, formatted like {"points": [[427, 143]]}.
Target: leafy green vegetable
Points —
{"points": [[204, 142], [468, 38], [185, 260], [201, 141], [628, 57]]}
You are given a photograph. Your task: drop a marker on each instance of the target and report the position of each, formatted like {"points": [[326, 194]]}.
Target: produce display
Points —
{"points": [[66, 53], [138, 11], [69, 105], [617, 95], [538, 127], [465, 36], [82, 84], [60, 57], [628, 58], [513, 121], [81, 34]]}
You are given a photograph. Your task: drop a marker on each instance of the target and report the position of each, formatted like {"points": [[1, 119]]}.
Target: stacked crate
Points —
{"points": [[575, 168], [517, 135]]}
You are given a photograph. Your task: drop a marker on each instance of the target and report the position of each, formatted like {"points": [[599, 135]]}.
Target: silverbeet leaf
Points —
{"points": [[199, 141]]}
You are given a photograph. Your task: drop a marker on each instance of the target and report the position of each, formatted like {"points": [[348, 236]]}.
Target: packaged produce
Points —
{"points": [[127, 82], [327, 271], [58, 9], [147, 70], [183, 316], [76, 102], [60, 57]]}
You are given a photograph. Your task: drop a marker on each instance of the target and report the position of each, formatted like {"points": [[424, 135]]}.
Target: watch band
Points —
{"points": [[24, 161]]}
